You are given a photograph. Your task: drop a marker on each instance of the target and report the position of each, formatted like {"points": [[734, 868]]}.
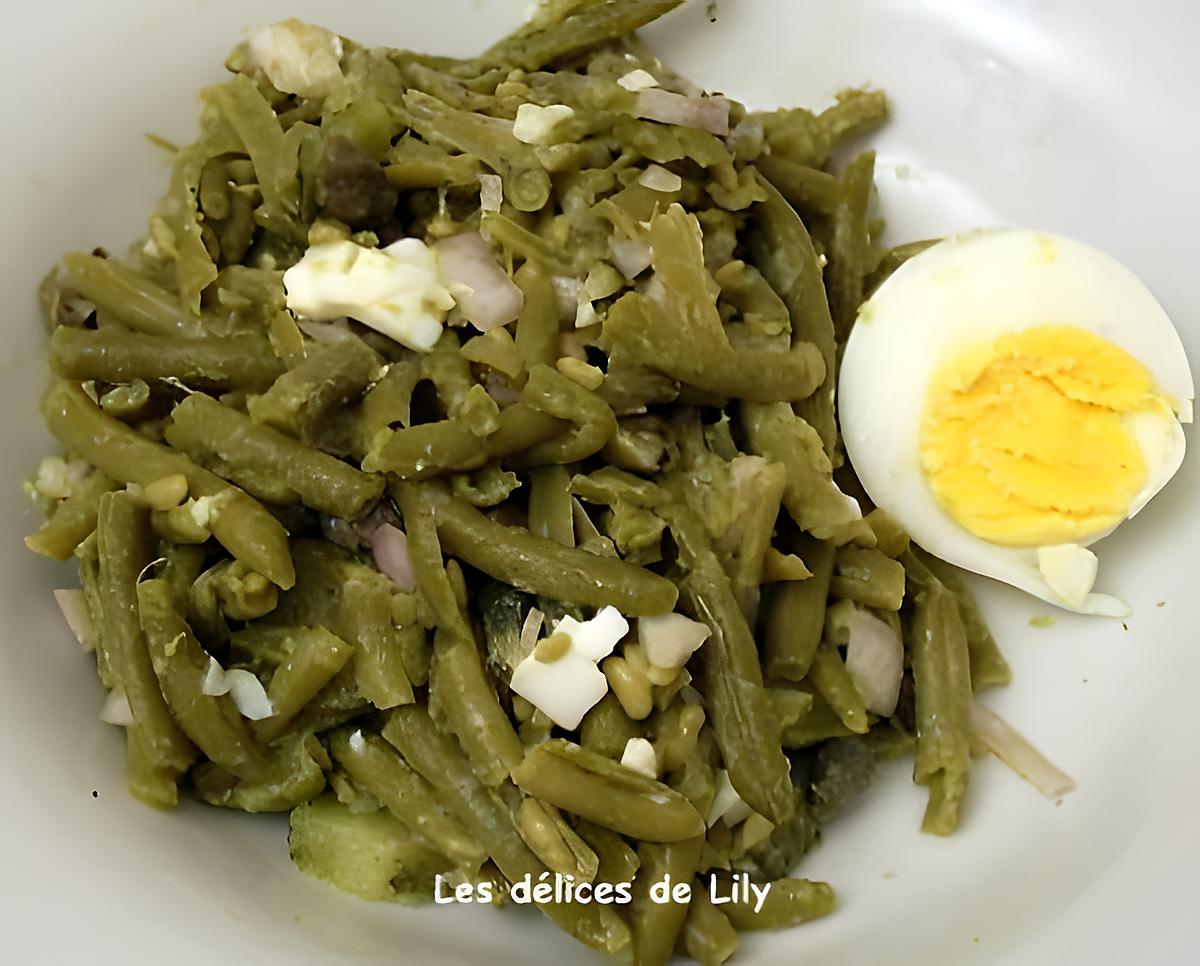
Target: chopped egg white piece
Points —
{"points": [[639, 756], [541, 125], [397, 290], [568, 686], [638, 80], [727, 804], [668, 640], [214, 683], [116, 710], [297, 57], [1070, 570]]}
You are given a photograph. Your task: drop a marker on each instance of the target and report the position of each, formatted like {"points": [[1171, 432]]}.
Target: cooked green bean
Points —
{"points": [[213, 723], [72, 520], [367, 621], [848, 267], [744, 723], [440, 760], [606, 728], [234, 446], [314, 656], [293, 776], [326, 380], [783, 250], [553, 394], [605, 792], [795, 614], [537, 326], [832, 681], [374, 764], [550, 512], [942, 675], [138, 302], [788, 903], [238, 521], [708, 936], [552, 840], [868, 576], [515, 556], [617, 862], [110, 355], [126, 547], [988, 666], [819, 723]]}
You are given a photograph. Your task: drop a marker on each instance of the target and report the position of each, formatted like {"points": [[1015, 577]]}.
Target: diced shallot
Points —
{"points": [[706, 113], [74, 608], [875, 660], [116, 710], [485, 295], [1011, 747], [389, 547]]}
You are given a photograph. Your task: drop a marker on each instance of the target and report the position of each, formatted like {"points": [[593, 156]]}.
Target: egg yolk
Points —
{"points": [[1027, 441]]}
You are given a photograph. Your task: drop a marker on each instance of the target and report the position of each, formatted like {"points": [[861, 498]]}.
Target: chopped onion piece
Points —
{"points": [[706, 113], [215, 682], [727, 804], [74, 609], [658, 178], [389, 547], [1007, 744], [116, 710], [491, 192], [875, 661], [249, 695], [631, 256], [485, 295]]}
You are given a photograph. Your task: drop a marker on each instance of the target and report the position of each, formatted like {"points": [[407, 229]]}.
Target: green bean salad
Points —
{"points": [[453, 466]]}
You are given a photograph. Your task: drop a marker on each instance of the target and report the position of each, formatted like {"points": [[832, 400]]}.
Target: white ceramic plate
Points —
{"points": [[1072, 116]]}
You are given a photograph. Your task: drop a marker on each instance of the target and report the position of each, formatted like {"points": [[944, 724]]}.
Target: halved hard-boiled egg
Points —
{"points": [[1011, 397]]}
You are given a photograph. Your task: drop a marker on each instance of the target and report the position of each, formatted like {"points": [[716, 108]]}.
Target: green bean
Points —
{"points": [[496, 350], [111, 355], [851, 243], [389, 401], [148, 782], [783, 251], [988, 666], [816, 725], [607, 793], [550, 392], [71, 521], [440, 760], [757, 494], [617, 862], [708, 936], [326, 380], [181, 665], [238, 521], [609, 486], [606, 729], [540, 251], [236, 447], [812, 499], [366, 606], [194, 267], [832, 681], [314, 656], [126, 547], [449, 371], [412, 164], [537, 325], [293, 776], [129, 403], [374, 765], [526, 183], [585, 26], [515, 556], [795, 614], [807, 189], [473, 713], [675, 730], [869, 577], [553, 841], [788, 903], [937, 646], [744, 723], [332, 843], [550, 512], [657, 924], [431, 449], [136, 301]]}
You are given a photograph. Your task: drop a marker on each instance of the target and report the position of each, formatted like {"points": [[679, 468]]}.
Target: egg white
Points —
{"points": [[967, 291]]}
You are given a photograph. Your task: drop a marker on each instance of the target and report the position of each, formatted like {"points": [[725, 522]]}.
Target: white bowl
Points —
{"points": [[1071, 116]]}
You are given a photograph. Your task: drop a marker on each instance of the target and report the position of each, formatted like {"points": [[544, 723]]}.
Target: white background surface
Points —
{"points": [[1070, 116]]}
